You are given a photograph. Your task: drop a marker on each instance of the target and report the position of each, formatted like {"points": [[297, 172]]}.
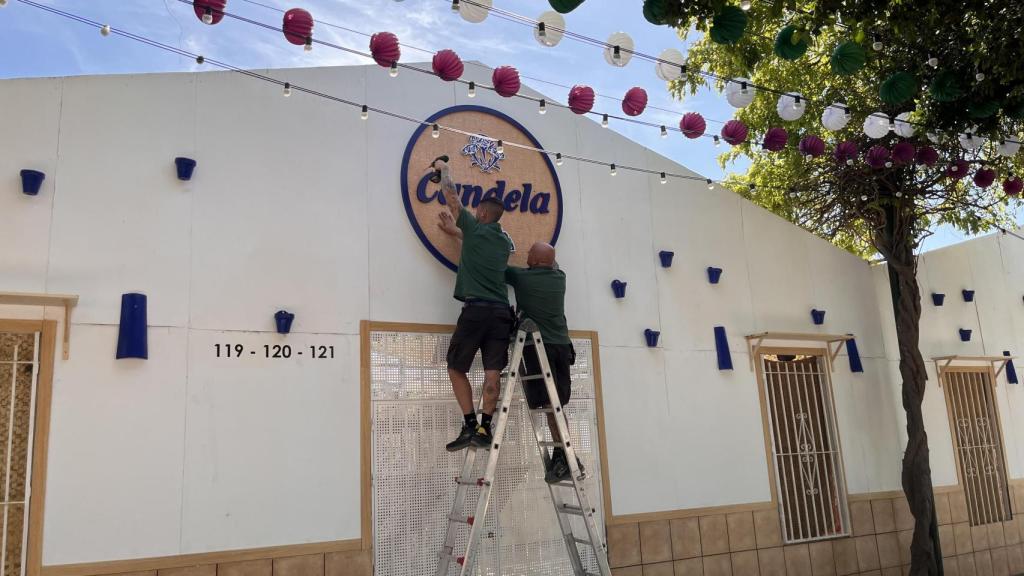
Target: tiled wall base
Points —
{"points": [[349, 563], [750, 543]]}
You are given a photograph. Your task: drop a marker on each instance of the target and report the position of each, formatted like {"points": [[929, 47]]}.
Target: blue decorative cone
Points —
{"points": [[722, 348], [938, 298], [185, 166], [619, 288], [652, 337], [968, 295], [854, 354], [31, 181], [666, 258], [283, 321], [1011, 372], [965, 335], [714, 274], [818, 316], [131, 336]]}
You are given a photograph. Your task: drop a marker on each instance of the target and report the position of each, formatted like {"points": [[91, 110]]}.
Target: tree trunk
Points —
{"points": [[895, 241]]}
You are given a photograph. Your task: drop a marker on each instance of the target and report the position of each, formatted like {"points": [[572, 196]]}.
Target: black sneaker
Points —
{"points": [[482, 438], [558, 472], [463, 441]]}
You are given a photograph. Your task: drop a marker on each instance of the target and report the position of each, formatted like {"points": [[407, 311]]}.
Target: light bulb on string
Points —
{"points": [[455, 5], [892, 124], [200, 60], [711, 185], [501, 147], [617, 53], [664, 132], [435, 131], [613, 171], [682, 72], [745, 5], [543, 108], [365, 112], [876, 44], [979, 76], [472, 89], [849, 161], [899, 194], [863, 198], [604, 121], [208, 16], [287, 89], [664, 178], [309, 44], [105, 30], [718, 141], [542, 30], [752, 186], [558, 159], [933, 62], [393, 71]]}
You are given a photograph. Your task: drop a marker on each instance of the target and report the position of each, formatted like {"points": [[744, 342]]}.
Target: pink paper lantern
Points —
{"points": [[927, 156], [958, 169], [845, 151], [297, 26], [692, 124], [1013, 186], [984, 177], [903, 152], [812, 146], [581, 99], [384, 49], [635, 101], [447, 65], [878, 155], [506, 81], [216, 8], [775, 139], [735, 132]]}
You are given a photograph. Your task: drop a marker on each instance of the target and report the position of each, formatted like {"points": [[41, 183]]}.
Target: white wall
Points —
{"points": [[295, 205]]}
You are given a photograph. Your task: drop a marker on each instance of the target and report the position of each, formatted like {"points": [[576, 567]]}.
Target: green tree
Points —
{"points": [[960, 72]]}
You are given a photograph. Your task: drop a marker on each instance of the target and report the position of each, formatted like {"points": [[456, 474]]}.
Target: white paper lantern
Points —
{"points": [[791, 106], [554, 25], [738, 95], [1008, 148], [903, 127], [835, 117], [476, 12], [625, 44], [970, 140], [876, 125], [671, 67]]}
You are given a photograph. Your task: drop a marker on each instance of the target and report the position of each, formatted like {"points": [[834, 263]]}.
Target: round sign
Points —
{"points": [[525, 181]]}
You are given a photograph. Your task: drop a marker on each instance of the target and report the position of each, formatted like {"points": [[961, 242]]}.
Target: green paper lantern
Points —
{"points": [[564, 6], [980, 110], [785, 48], [728, 25], [898, 88], [654, 11], [946, 87], [847, 58]]}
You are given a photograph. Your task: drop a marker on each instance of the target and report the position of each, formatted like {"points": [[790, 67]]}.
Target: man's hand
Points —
{"points": [[451, 198], [447, 224]]}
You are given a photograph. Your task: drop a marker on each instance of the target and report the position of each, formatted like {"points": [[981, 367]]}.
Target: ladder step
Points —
{"points": [[547, 444], [476, 482], [468, 520], [583, 541], [533, 377], [545, 410], [567, 509]]}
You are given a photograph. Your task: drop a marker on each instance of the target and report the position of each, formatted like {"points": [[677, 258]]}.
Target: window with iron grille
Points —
{"points": [[977, 440], [19, 363], [805, 451]]}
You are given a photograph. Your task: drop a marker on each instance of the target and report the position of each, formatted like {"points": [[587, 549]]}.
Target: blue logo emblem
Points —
{"points": [[483, 153]]}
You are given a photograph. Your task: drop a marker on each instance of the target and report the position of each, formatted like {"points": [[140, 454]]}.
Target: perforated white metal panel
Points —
{"points": [[414, 415]]}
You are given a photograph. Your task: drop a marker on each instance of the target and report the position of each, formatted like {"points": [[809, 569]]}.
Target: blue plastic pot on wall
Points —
{"points": [[818, 317], [1011, 372], [968, 295], [31, 181], [714, 274], [965, 335], [131, 334], [938, 298], [854, 355], [619, 288], [651, 336], [185, 166], [722, 349], [666, 258], [283, 320]]}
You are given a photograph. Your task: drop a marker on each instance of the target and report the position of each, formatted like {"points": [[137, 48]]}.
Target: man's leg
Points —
{"points": [[462, 389], [494, 353], [461, 351]]}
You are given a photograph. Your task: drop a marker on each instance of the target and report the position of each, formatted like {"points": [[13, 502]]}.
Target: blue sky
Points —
{"points": [[49, 45]]}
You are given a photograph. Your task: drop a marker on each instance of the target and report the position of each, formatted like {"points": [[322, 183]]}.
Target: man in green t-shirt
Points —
{"points": [[486, 319]]}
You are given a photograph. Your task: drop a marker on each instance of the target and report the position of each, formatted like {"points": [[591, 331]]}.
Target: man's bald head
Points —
{"points": [[541, 254]]}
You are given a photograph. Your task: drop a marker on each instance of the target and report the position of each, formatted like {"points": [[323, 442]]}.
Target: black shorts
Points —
{"points": [[560, 358], [483, 328]]}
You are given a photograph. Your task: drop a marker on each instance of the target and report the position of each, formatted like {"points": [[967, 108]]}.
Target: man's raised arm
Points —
{"points": [[451, 198]]}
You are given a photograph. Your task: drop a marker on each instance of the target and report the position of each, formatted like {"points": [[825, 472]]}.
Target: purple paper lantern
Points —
{"points": [[581, 99], [635, 101], [958, 169], [693, 125], [811, 145], [735, 132], [1013, 186], [447, 65], [775, 139], [927, 156], [903, 153], [984, 177], [846, 152], [878, 155]]}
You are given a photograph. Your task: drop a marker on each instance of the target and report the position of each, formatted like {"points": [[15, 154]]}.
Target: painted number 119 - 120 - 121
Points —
{"points": [[272, 351]]}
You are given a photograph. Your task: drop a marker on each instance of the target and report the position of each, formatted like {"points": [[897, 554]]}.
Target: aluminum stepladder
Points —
{"points": [[527, 333]]}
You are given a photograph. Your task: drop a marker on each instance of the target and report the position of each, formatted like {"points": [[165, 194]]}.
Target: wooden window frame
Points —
{"points": [[824, 355], [992, 376], [47, 330]]}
